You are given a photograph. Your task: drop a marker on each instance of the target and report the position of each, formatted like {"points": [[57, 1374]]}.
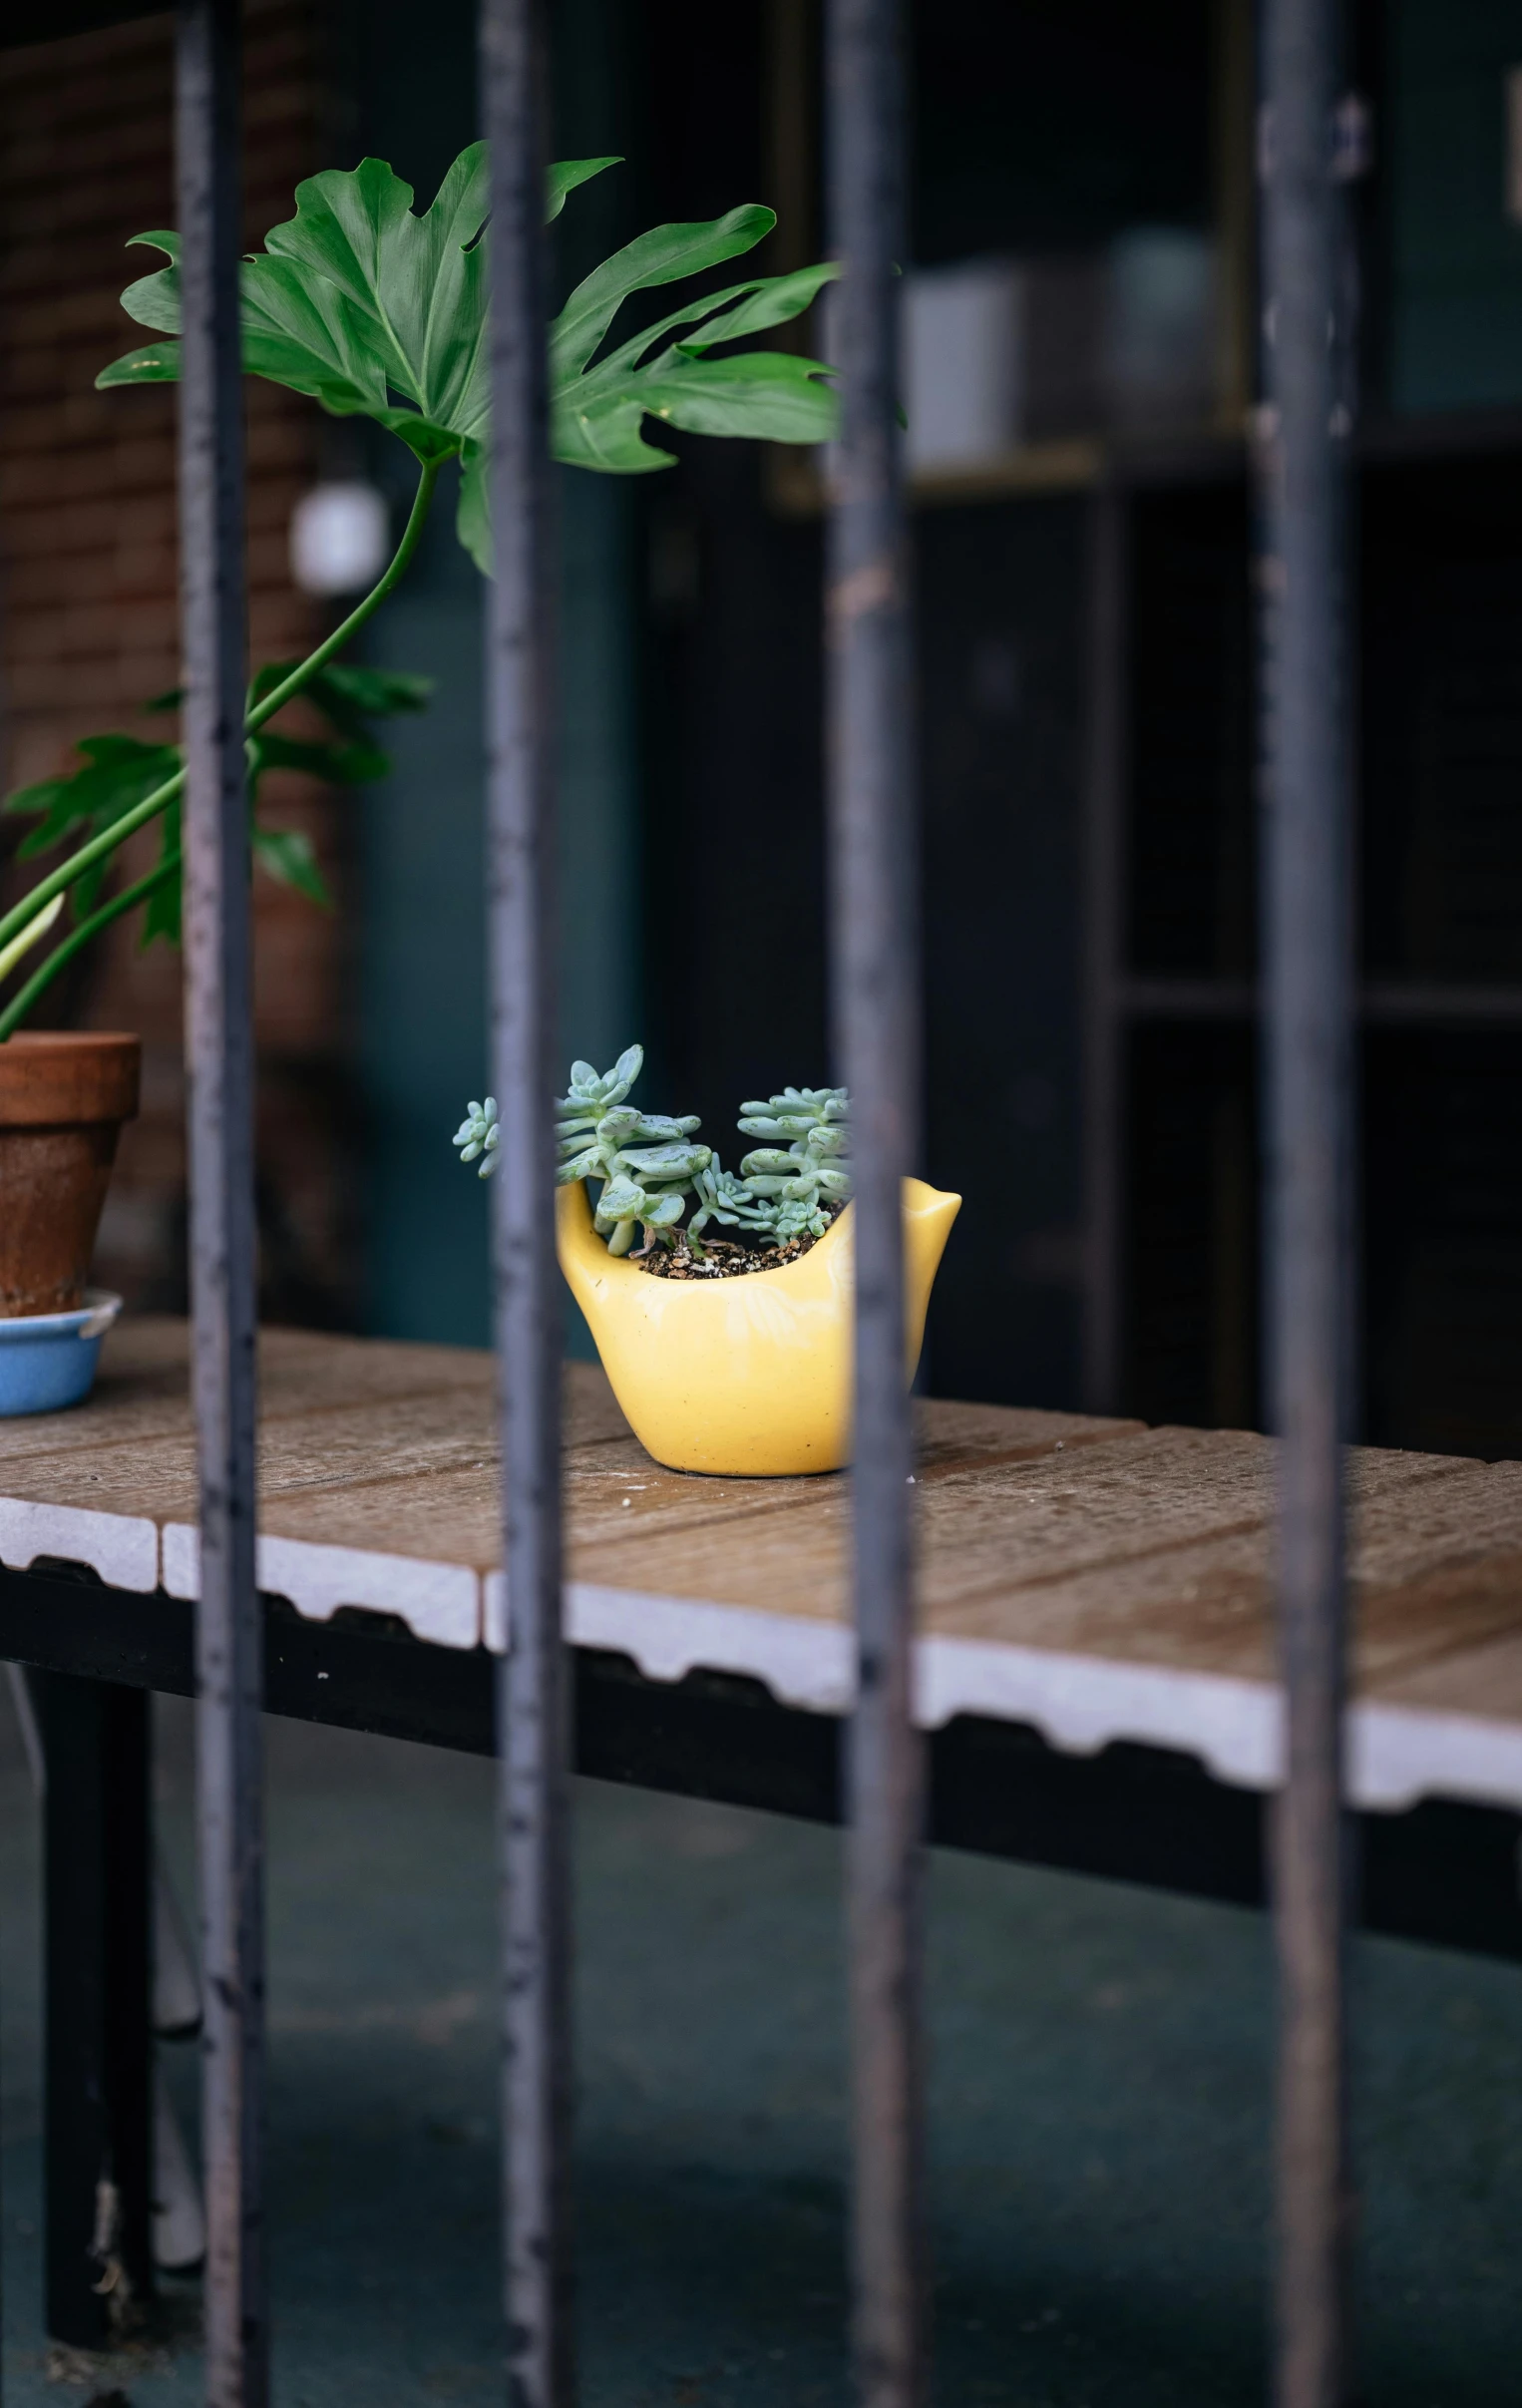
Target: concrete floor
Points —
{"points": [[1098, 2128]]}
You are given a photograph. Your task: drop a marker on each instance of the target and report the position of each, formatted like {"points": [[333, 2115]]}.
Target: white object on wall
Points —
{"points": [[963, 360], [340, 538]]}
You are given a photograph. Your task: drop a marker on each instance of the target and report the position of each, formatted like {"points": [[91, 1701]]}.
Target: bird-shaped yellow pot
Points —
{"points": [[748, 1375]]}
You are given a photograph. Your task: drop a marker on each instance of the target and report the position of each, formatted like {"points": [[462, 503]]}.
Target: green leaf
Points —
{"points": [[357, 296], [347, 697], [773, 396], [162, 912], [375, 310], [622, 1200], [339, 764], [118, 773], [150, 364], [368, 693], [162, 915], [659, 258], [296, 332], [287, 855], [675, 1161], [598, 407], [748, 308], [472, 512], [567, 174]]}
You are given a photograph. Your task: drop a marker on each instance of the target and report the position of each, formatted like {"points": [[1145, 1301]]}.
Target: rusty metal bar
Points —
{"points": [[532, 1710], [877, 1023], [220, 1039], [1308, 990]]}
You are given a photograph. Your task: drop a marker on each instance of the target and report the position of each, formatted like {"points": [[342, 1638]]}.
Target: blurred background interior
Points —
{"points": [[1079, 327]]}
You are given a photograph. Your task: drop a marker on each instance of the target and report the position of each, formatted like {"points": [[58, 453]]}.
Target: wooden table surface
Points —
{"points": [[1095, 1578]]}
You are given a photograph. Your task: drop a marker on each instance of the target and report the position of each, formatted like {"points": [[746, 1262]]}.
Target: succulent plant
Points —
{"points": [[648, 1165], [727, 1199], [645, 1159], [478, 1134], [812, 1171]]}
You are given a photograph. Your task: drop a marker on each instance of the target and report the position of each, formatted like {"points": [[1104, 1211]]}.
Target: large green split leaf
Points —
{"points": [[378, 312]]}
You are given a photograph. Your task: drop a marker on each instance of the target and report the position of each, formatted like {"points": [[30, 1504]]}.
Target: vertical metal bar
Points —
{"points": [[1306, 953], [876, 1015], [531, 1727], [1103, 1024], [219, 1036]]}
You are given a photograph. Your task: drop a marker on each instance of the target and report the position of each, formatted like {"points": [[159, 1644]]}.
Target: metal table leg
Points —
{"points": [[97, 1888]]}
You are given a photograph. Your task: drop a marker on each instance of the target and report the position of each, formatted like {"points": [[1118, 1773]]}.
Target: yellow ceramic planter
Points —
{"points": [[752, 1375]]}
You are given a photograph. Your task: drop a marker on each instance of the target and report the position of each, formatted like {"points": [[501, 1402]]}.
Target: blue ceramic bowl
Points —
{"points": [[47, 1360]]}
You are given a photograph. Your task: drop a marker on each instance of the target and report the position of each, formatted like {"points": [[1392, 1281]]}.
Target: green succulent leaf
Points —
{"points": [[665, 1162], [588, 1164], [662, 1212], [659, 1127], [478, 1136], [378, 311], [593, 1094], [622, 1200]]}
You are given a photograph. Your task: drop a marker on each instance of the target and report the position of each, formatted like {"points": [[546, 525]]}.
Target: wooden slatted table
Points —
{"points": [[1091, 1579], [1094, 1664]]}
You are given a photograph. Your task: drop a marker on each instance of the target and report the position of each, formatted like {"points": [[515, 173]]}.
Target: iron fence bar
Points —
{"points": [[1309, 995], [531, 1711], [219, 1032], [1103, 948], [876, 1010]]}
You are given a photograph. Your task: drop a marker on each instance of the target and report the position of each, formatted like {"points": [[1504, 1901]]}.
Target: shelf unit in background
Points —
{"points": [[1170, 1236]]}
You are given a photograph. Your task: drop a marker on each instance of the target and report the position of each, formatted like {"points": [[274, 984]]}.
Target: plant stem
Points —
{"points": [[58, 881], [17, 1008], [412, 536]]}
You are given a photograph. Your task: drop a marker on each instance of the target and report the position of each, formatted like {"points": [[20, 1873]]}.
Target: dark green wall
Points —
{"points": [[423, 1002], [1454, 257]]}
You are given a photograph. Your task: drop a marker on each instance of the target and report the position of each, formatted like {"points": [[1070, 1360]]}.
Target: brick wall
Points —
{"points": [[88, 610]]}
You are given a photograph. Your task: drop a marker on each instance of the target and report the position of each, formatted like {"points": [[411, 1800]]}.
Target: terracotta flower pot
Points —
{"points": [[63, 1099]]}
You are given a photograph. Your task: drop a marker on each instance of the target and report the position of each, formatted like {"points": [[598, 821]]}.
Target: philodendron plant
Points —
{"points": [[377, 312], [119, 772], [649, 1169]]}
